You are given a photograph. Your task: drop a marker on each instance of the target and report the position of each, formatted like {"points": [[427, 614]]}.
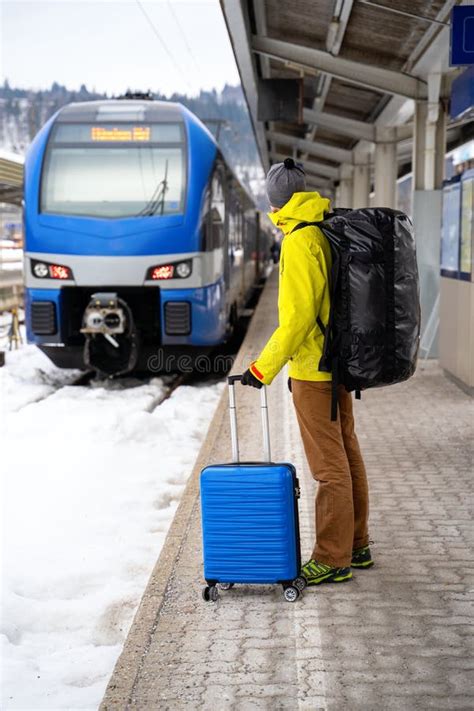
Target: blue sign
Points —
{"points": [[462, 95], [462, 35], [450, 229]]}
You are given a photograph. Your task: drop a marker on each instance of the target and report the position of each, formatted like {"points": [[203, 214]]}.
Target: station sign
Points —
{"points": [[462, 95], [136, 133], [462, 35]]}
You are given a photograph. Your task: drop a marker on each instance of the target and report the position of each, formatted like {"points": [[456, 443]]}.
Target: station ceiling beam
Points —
{"points": [[378, 78], [336, 31], [314, 177], [317, 184], [424, 59], [351, 127], [339, 124], [316, 173], [323, 150], [261, 26]]}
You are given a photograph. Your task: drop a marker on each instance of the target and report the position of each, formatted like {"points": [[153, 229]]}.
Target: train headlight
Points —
{"points": [[40, 270], [58, 271], [45, 270], [178, 270], [164, 271], [93, 319], [183, 269]]}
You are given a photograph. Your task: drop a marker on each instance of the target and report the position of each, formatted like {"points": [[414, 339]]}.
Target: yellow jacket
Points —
{"points": [[305, 264]]}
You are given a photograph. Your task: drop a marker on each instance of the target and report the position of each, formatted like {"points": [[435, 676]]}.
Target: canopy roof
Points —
{"points": [[363, 64]]}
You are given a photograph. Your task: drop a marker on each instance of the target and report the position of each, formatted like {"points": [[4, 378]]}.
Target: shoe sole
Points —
{"points": [[329, 579], [365, 564]]}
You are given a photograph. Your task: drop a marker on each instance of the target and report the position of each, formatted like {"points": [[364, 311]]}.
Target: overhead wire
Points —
{"points": [[183, 34], [163, 43]]}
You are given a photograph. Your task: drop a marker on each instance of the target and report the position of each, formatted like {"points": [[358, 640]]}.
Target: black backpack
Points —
{"points": [[372, 336]]}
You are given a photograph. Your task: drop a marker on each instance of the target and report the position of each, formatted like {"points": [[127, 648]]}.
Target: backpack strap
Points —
{"points": [[325, 363], [334, 386], [335, 213], [300, 226], [331, 363], [321, 325]]}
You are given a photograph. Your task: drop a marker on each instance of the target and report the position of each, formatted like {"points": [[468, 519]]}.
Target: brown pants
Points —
{"points": [[335, 460]]}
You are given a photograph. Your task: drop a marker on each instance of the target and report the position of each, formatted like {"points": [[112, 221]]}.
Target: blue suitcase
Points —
{"points": [[250, 521]]}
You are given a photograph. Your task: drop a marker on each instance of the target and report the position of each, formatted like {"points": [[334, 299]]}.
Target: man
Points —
{"points": [[331, 448]]}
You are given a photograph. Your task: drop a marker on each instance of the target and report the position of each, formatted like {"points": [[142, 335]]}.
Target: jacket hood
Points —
{"points": [[301, 207]]}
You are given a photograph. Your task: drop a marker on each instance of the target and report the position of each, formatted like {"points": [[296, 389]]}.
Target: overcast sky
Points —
{"points": [[110, 45]]}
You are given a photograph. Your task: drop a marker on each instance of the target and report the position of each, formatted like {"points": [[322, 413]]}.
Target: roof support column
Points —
{"points": [[385, 168], [429, 147], [361, 176], [435, 140], [361, 189], [418, 156], [440, 147], [345, 187]]}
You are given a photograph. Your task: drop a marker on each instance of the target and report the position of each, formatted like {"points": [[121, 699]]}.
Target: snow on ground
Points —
{"points": [[28, 377], [90, 479]]}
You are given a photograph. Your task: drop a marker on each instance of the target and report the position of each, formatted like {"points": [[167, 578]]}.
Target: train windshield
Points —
{"points": [[114, 170]]}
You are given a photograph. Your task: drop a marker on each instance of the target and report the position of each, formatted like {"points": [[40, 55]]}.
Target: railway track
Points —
{"points": [[175, 382], [90, 377]]}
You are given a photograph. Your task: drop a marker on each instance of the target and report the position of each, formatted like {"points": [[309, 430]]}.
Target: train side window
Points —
{"points": [[206, 221], [236, 221], [217, 213], [232, 218], [240, 226], [218, 195]]}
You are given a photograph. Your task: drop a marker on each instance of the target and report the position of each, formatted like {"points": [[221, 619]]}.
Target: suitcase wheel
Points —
{"points": [[300, 583], [210, 593], [226, 586], [291, 593]]}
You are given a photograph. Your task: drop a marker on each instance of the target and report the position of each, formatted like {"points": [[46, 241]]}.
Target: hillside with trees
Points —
{"points": [[24, 111]]}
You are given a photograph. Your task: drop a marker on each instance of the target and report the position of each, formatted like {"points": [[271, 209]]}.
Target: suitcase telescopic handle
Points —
{"points": [[231, 380]]}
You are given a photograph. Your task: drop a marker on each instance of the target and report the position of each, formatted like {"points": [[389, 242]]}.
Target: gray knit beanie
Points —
{"points": [[284, 179]]}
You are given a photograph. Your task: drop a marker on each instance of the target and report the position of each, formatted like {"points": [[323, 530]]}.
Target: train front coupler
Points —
{"points": [[112, 342]]}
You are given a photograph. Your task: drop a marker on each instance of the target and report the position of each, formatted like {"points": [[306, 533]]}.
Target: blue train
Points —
{"points": [[139, 240]]}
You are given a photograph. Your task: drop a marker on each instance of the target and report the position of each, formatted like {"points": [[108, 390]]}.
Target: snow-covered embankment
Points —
{"points": [[90, 479]]}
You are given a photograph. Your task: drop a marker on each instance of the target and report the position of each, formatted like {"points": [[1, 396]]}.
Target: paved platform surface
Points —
{"points": [[397, 637]]}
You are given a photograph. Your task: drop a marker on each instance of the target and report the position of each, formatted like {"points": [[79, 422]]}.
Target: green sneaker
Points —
{"points": [[362, 558], [316, 573]]}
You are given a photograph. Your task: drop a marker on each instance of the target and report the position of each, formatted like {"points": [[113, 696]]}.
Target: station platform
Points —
{"points": [[397, 637]]}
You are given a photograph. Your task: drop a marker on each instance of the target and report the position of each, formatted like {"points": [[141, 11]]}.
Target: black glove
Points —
{"points": [[248, 378]]}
